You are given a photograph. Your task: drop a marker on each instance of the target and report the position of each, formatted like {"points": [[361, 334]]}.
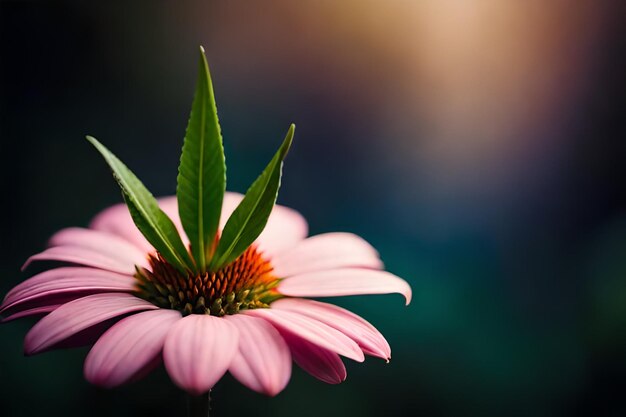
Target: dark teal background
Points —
{"points": [[517, 264]]}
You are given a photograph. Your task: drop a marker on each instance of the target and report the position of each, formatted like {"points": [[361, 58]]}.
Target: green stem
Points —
{"points": [[198, 406]]}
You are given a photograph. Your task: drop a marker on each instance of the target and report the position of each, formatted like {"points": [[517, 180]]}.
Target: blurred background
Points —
{"points": [[479, 145]]}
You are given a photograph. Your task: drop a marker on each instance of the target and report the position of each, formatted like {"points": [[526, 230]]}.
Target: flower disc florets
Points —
{"points": [[245, 283]]}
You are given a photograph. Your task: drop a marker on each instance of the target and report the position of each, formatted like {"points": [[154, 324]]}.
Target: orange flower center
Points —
{"points": [[245, 283]]}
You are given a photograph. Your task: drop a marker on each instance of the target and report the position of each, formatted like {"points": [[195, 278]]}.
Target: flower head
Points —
{"points": [[207, 282]]}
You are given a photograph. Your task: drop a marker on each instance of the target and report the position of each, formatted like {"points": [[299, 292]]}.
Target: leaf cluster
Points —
{"points": [[201, 185]]}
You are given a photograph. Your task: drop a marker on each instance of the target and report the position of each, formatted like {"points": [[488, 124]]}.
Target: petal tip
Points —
{"points": [[274, 391], [31, 347], [96, 379], [29, 350], [196, 360], [25, 265], [408, 294]]}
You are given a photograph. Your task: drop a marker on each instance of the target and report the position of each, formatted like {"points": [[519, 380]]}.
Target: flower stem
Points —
{"points": [[198, 405]]}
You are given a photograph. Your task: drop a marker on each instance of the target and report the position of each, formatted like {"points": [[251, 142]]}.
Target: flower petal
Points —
{"points": [[263, 361], [312, 330], [35, 311], [326, 251], [40, 305], [368, 338], [83, 256], [319, 362], [70, 282], [116, 220], [198, 351], [129, 346], [285, 227], [78, 315], [103, 242], [346, 281], [231, 201]]}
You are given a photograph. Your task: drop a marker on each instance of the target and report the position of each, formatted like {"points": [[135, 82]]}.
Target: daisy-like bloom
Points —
{"points": [[251, 317], [208, 282]]}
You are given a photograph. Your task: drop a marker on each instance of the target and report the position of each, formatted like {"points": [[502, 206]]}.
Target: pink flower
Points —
{"points": [[248, 318]]}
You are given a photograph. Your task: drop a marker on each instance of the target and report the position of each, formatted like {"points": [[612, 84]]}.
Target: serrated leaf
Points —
{"points": [[202, 171], [151, 221], [250, 217]]}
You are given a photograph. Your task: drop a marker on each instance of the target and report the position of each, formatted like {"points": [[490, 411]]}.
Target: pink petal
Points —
{"points": [[79, 315], [356, 328], [198, 351], [321, 363], [285, 227], [346, 281], [83, 256], [326, 251], [312, 330], [40, 304], [128, 347], [103, 242], [116, 220], [263, 361], [65, 281], [231, 201], [35, 311]]}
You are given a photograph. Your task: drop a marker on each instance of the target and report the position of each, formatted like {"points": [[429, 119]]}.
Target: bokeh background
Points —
{"points": [[479, 145]]}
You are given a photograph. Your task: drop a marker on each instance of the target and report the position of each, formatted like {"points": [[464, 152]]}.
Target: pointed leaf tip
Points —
{"points": [[286, 145], [202, 171], [93, 141], [201, 49]]}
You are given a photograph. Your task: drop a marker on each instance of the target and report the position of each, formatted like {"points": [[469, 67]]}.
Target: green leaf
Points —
{"points": [[250, 217], [202, 171], [144, 209]]}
